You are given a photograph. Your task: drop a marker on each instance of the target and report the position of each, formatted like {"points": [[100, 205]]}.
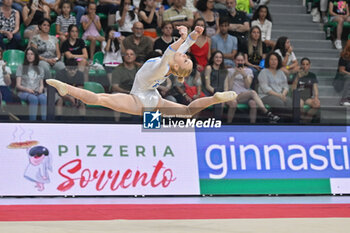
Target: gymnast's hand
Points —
{"points": [[199, 30], [182, 31]]}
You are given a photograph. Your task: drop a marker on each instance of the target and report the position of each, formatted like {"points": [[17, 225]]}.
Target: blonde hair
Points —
{"points": [[181, 73]]}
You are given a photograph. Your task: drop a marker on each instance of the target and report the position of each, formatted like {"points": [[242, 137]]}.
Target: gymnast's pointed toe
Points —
{"points": [[225, 96], [60, 86]]}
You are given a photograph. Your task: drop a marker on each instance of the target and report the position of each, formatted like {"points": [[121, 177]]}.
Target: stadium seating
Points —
{"points": [[14, 57]]}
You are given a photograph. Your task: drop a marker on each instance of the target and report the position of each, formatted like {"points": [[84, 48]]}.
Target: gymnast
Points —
{"points": [[144, 95]]}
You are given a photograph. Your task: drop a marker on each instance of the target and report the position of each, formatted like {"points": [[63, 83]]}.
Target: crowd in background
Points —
{"points": [[236, 52]]}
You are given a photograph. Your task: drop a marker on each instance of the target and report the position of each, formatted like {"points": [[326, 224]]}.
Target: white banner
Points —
{"points": [[95, 159]]}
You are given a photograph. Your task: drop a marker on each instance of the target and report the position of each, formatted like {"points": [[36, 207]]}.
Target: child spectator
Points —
{"points": [[64, 20], [126, 17], [92, 25], [339, 12], [150, 17], [30, 84]]}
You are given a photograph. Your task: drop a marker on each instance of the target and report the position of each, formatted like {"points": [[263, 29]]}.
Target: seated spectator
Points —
{"points": [[239, 80], [126, 17], [201, 49], [112, 48], [178, 15], [77, 6], [256, 51], [211, 18], [190, 4], [339, 12], [30, 84], [64, 20], [306, 83], [74, 47], [191, 88], [47, 48], [245, 6], [150, 17], [214, 78], [140, 44], [33, 13], [9, 26], [163, 42], [225, 43], [74, 77], [238, 24], [108, 7], [263, 20], [273, 85], [5, 81], [92, 25], [289, 60], [342, 78]]}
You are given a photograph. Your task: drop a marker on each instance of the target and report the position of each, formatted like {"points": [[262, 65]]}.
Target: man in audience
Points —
{"points": [[225, 43], [238, 24], [140, 44], [179, 15]]}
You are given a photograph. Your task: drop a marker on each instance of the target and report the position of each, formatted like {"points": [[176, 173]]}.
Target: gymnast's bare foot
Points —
{"points": [[225, 96], [60, 86]]}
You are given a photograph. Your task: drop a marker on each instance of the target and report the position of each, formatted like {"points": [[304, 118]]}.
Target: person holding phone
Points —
{"points": [[126, 17], [112, 48], [239, 80], [33, 13]]}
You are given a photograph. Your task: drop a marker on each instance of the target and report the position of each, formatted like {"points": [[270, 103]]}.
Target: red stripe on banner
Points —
{"points": [[161, 211]]}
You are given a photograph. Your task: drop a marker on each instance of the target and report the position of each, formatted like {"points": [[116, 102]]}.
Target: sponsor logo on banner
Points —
{"points": [[95, 160]]}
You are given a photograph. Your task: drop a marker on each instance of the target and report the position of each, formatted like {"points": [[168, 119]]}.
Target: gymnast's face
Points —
{"points": [[183, 61]]}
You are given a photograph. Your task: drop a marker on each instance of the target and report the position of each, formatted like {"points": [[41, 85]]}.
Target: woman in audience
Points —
{"points": [[201, 49], [256, 50], [5, 81], [33, 13], [9, 26], [150, 17], [273, 85], [112, 48], [239, 80], [211, 18], [126, 16], [64, 20], [214, 78], [74, 47], [342, 81], [92, 25], [163, 42], [339, 12], [30, 84], [306, 83], [262, 18], [289, 60], [47, 48]]}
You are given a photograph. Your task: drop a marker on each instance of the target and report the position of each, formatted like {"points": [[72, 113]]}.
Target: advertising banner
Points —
{"points": [[274, 160], [91, 159]]}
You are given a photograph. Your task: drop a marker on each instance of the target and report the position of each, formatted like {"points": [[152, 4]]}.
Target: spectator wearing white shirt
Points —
{"points": [[262, 19], [126, 17], [289, 61]]}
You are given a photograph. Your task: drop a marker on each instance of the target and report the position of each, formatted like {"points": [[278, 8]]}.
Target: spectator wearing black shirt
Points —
{"points": [[163, 42], [72, 76], [238, 24], [307, 85]]}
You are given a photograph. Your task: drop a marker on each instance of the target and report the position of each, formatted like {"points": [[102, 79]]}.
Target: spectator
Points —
{"points": [[306, 83], [5, 81], [339, 12], [33, 13], [64, 20], [74, 77], [190, 4], [9, 26], [201, 49], [323, 9], [108, 7], [47, 48], [30, 84], [289, 60], [238, 24], [18, 5], [342, 79], [74, 47], [214, 78], [150, 17], [273, 85], [256, 51], [163, 42], [78, 7], [225, 43], [179, 15], [263, 20], [211, 18], [140, 44], [239, 80], [126, 17], [92, 25]]}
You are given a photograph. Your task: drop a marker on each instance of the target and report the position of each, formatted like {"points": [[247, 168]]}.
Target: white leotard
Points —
{"points": [[152, 74]]}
